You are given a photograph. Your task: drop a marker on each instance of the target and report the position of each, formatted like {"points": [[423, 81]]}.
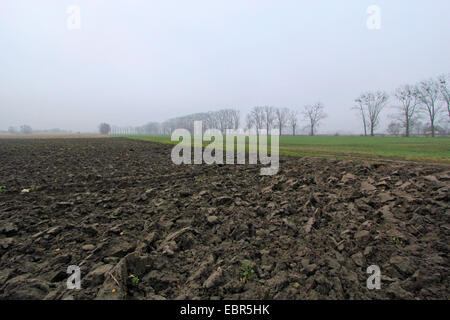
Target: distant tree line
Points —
{"points": [[260, 117], [26, 129], [23, 129], [222, 120], [427, 101]]}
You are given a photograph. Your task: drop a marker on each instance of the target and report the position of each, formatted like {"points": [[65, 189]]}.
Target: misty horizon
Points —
{"points": [[131, 63]]}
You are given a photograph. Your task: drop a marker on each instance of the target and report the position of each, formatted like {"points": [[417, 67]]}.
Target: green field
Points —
{"points": [[396, 148]]}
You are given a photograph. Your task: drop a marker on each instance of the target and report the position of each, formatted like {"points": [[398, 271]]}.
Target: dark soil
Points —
{"points": [[120, 210]]}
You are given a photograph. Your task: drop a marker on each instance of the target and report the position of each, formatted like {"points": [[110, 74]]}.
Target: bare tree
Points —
{"points": [[236, 117], [227, 119], [371, 104], [407, 95], [362, 112], [269, 117], [314, 114], [292, 120], [249, 121], [105, 128], [257, 114], [221, 119], [281, 117], [428, 94], [445, 92]]}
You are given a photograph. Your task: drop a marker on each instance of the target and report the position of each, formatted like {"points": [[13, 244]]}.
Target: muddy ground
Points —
{"points": [[140, 227]]}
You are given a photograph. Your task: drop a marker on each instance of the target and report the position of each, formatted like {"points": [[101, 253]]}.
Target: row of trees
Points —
{"points": [[23, 129], [268, 117], [221, 119], [426, 99], [261, 117], [413, 103], [26, 129]]}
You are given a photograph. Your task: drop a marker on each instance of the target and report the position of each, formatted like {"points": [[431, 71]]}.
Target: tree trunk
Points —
{"points": [[365, 125], [407, 127]]}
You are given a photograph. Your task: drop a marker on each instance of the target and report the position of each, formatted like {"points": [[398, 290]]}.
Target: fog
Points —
{"points": [[132, 62]]}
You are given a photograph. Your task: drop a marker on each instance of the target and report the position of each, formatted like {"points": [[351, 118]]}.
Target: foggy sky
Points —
{"points": [[138, 61]]}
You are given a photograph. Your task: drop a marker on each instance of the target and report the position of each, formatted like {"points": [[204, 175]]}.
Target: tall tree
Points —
{"points": [[407, 95], [281, 118], [249, 121], [292, 120], [445, 92], [428, 94], [269, 117], [257, 113], [314, 114], [236, 117], [371, 104], [362, 112]]}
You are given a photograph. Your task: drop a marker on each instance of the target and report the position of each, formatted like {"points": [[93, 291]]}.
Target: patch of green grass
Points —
{"points": [[421, 149], [397, 241], [134, 280], [396, 148], [247, 272]]}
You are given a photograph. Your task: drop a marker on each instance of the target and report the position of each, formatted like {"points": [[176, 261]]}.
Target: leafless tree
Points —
{"points": [[428, 94], [257, 114], [249, 121], [292, 120], [314, 114], [221, 119], [236, 116], [407, 95], [211, 121], [360, 107], [269, 117], [227, 119], [371, 104], [445, 92], [281, 117]]}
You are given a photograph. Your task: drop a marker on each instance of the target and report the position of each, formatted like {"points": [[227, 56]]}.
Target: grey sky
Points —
{"points": [[138, 61]]}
